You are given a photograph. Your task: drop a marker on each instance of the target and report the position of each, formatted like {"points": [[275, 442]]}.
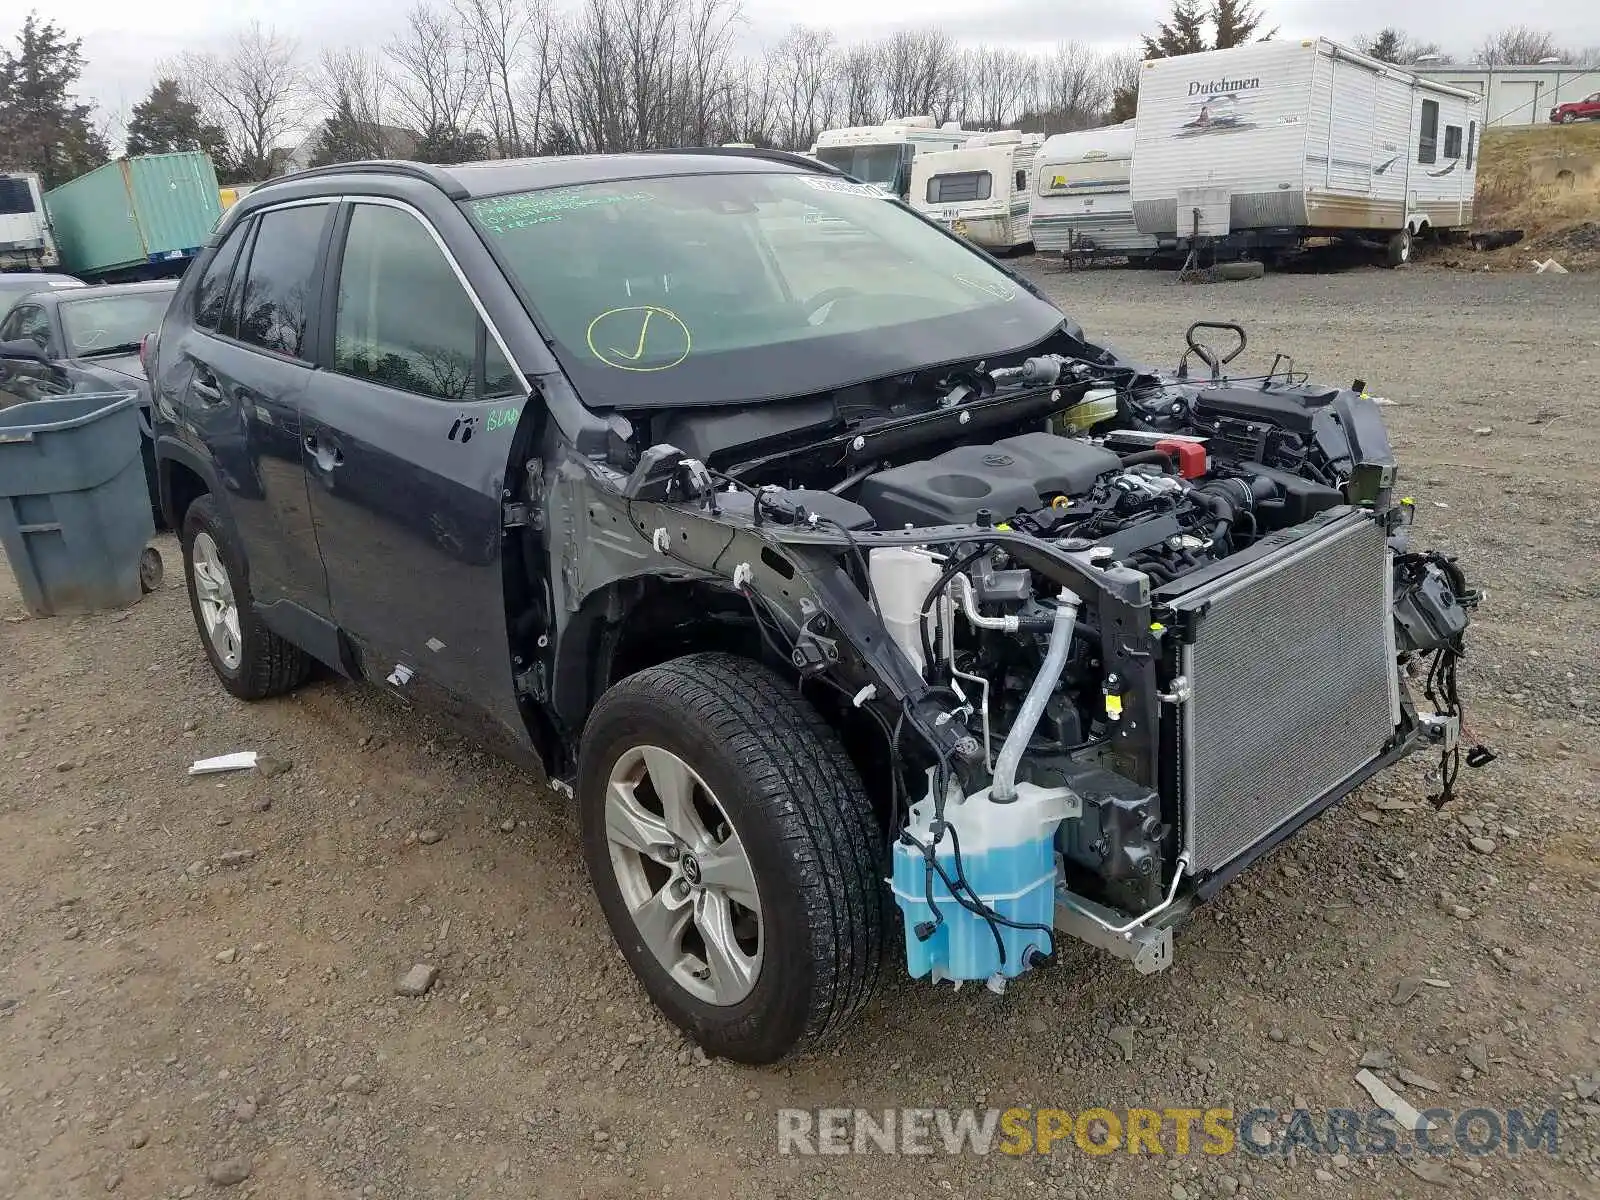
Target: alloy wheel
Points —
{"points": [[219, 611], [684, 875]]}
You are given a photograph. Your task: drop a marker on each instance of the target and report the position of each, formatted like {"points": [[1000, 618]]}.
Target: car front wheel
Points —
{"points": [[251, 661], [734, 853]]}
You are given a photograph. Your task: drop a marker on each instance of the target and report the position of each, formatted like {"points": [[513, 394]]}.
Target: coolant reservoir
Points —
{"points": [[1008, 857], [901, 580], [1098, 404]]}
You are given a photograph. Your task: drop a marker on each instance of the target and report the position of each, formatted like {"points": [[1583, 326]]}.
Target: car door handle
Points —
{"points": [[328, 455], [204, 385]]}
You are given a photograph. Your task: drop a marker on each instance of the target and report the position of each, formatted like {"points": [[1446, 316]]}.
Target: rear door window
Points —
{"points": [[278, 299]]}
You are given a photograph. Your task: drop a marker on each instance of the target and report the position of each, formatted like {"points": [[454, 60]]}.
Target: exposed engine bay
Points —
{"points": [[1121, 631]]}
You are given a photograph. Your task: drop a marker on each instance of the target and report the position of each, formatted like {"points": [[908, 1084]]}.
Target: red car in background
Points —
{"points": [[1587, 109]]}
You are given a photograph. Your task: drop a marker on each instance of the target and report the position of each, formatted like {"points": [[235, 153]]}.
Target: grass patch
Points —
{"points": [[1561, 218]]}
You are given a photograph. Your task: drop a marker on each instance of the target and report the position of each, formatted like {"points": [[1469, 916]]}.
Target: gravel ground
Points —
{"points": [[198, 976]]}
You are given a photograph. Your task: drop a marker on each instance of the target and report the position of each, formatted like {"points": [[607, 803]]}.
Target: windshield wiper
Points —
{"points": [[119, 348]]}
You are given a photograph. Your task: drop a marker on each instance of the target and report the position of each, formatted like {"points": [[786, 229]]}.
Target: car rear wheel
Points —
{"points": [[734, 853], [251, 661]]}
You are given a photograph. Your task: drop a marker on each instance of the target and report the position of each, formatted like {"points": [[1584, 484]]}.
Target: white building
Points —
{"points": [[1517, 95]]}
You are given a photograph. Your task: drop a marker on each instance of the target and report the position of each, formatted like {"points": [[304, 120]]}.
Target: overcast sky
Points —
{"points": [[122, 41]]}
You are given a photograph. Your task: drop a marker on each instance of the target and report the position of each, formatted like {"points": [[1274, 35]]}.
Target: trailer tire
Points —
{"points": [[1399, 250], [1238, 272], [744, 762]]}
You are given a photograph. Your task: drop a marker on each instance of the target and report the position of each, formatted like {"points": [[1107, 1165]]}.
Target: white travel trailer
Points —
{"points": [[1083, 204], [983, 190], [25, 238], [1265, 144], [883, 154]]}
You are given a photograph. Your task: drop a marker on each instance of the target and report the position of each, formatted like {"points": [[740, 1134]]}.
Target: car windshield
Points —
{"points": [[730, 288], [106, 324], [870, 164]]}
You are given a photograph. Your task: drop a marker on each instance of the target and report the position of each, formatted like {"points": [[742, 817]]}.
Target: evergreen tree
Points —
{"points": [[1233, 22], [1236, 23], [343, 138], [1183, 34], [167, 121], [43, 128], [452, 146]]}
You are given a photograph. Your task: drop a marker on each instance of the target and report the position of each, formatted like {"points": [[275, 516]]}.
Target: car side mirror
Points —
{"points": [[24, 349]]}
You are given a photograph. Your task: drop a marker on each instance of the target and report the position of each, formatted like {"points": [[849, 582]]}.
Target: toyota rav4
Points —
{"points": [[846, 584]]}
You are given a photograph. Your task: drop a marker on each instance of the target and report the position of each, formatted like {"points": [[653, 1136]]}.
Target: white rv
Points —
{"points": [[1083, 205], [883, 154], [983, 190], [25, 239], [1267, 143]]}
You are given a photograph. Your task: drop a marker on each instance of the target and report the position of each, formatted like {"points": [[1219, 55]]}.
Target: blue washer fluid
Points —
{"points": [[1008, 856]]}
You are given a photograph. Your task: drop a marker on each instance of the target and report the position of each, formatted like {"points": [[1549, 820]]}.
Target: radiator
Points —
{"points": [[1292, 685]]}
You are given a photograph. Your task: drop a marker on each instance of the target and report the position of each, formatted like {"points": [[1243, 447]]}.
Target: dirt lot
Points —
{"points": [[162, 1011]]}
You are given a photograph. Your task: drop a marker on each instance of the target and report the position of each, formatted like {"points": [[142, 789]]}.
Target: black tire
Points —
{"points": [[268, 665], [793, 796], [1399, 250]]}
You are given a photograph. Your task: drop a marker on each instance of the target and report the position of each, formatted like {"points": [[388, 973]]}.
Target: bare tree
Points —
{"points": [[707, 81], [858, 82], [437, 87], [802, 66], [753, 104], [647, 32], [589, 84], [354, 80], [1518, 45], [1075, 86], [255, 91], [998, 86], [542, 69], [920, 69], [496, 33]]}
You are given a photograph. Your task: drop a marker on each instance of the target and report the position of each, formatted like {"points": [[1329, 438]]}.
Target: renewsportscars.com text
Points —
{"points": [[1261, 1132]]}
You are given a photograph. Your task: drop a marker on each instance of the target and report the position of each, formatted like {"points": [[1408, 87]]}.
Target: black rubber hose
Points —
{"points": [[1221, 509], [957, 565], [1158, 457]]}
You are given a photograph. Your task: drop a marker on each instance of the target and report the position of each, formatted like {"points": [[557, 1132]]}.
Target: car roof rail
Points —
{"points": [[783, 156], [425, 172]]}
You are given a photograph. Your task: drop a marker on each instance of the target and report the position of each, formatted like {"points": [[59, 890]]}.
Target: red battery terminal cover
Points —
{"points": [[1190, 457]]}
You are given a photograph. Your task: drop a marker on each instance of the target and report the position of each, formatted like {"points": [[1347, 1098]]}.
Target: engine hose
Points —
{"points": [[1159, 458], [1003, 789], [1221, 509]]}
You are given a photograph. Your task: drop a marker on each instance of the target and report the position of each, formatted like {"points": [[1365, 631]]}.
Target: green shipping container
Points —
{"points": [[135, 216]]}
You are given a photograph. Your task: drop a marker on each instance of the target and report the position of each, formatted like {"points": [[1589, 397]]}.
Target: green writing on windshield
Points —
{"points": [[503, 214]]}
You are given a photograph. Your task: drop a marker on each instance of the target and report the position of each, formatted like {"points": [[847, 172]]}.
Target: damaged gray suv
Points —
{"points": [[857, 596]]}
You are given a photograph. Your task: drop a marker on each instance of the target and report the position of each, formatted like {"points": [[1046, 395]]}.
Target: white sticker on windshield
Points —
{"points": [[845, 188]]}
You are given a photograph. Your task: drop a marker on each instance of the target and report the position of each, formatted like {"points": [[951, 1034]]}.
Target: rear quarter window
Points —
{"points": [[279, 298], [212, 294]]}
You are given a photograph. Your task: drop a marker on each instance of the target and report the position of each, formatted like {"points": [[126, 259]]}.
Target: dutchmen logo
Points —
{"points": [[1222, 87]]}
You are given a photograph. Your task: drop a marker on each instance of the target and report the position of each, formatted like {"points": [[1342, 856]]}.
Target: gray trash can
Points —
{"points": [[74, 507]]}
